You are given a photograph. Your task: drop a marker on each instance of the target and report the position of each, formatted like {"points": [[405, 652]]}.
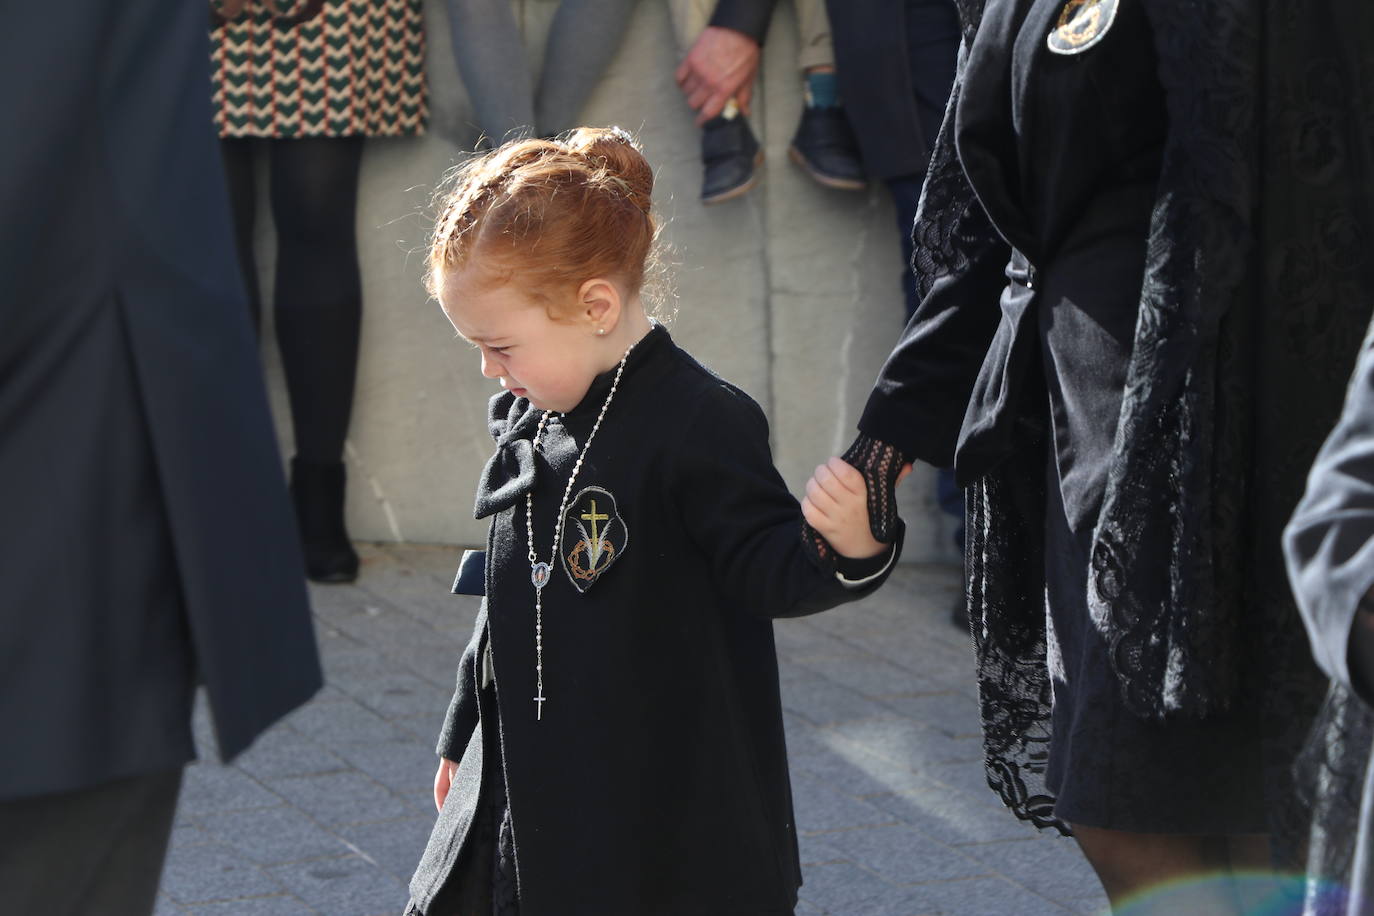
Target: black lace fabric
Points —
{"points": [[880, 465], [1332, 773]]}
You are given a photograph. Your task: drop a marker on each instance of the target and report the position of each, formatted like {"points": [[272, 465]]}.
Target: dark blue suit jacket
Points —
{"points": [[148, 543]]}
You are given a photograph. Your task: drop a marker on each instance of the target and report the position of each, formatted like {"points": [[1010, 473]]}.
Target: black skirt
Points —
{"points": [[1107, 767]]}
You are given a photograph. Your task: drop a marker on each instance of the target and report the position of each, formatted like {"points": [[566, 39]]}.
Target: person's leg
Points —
{"points": [[932, 44], [824, 145], [1151, 874], [730, 153], [491, 59], [238, 173], [318, 310], [95, 850], [583, 40], [814, 48]]}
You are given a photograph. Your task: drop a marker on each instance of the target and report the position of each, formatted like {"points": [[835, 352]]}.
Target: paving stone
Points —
{"points": [[902, 855], [821, 701], [333, 721], [951, 713], [273, 836], [211, 872], [255, 906], [405, 767], [820, 808], [838, 887], [399, 636], [855, 771], [815, 850], [868, 674], [803, 738], [283, 751], [394, 845], [953, 817], [906, 742], [401, 694], [1049, 865], [208, 787], [796, 637], [966, 775], [163, 906], [334, 799], [347, 886], [974, 897]]}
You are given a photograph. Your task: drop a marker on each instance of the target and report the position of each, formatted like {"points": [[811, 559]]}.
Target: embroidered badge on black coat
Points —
{"points": [[594, 536], [1082, 23]]}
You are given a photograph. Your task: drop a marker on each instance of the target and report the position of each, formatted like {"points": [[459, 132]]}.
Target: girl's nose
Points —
{"points": [[491, 368]]}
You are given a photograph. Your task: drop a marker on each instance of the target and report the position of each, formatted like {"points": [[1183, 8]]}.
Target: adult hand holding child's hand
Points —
{"points": [[836, 505]]}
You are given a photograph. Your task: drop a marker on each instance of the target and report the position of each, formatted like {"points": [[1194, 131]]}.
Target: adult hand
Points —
{"points": [[442, 781], [720, 65]]}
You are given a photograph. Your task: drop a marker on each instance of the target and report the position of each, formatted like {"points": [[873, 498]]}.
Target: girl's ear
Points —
{"points": [[600, 302]]}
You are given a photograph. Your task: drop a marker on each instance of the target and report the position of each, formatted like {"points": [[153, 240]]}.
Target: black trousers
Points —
{"points": [[92, 851]]}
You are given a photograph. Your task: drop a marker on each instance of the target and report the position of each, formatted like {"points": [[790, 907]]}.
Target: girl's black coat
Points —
{"points": [[656, 781]]}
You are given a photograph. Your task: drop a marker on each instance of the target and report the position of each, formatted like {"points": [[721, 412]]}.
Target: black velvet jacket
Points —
{"points": [[1255, 291], [656, 780]]}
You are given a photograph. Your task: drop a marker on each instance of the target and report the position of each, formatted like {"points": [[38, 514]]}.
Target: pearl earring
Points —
{"points": [[601, 330]]}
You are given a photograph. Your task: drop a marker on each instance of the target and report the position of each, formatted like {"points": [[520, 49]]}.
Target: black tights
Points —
{"points": [[1149, 874], [317, 296]]}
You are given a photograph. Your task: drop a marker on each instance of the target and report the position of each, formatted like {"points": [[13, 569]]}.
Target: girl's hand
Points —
{"points": [[836, 505], [442, 781]]}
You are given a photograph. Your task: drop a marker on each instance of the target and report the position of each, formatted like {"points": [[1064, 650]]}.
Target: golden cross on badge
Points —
{"points": [[594, 517]]}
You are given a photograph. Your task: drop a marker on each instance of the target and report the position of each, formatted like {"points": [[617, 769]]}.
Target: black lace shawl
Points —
{"points": [[1257, 288]]}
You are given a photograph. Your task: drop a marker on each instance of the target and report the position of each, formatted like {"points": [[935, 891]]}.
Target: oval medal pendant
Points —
{"points": [[1082, 23], [539, 575]]}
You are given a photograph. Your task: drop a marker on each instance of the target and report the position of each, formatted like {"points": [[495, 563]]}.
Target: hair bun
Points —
{"points": [[613, 149]]}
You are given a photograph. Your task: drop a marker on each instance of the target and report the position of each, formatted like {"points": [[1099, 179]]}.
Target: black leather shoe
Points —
{"points": [[317, 492], [825, 148], [730, 158]]}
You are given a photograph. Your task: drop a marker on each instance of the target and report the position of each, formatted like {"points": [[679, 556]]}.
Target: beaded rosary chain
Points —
{"points": [[540, 572]]}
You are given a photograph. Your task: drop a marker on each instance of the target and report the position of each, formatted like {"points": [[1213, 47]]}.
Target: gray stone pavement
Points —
{"points": [[328, 812]]}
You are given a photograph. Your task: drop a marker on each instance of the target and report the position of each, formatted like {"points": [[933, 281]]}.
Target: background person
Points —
{"points": [[1131, 359], [148, 540]]}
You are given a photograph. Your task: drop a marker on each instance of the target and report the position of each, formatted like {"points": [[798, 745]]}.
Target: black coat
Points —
{"points": [[1330, 551], [148, 540], [656, 781]]}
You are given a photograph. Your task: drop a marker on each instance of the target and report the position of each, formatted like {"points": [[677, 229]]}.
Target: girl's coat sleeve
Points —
{"points": [[461, 719], [741, 517]]}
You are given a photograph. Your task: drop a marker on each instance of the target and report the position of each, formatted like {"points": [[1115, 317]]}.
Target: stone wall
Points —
{"points": [[792, 292]]}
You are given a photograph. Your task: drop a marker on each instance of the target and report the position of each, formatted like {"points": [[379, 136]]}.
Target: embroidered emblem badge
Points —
{"points": [[1082, 23], [594, 536]]}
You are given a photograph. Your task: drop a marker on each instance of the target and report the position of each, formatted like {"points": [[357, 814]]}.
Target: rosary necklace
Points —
{"points": [[540, 571]]}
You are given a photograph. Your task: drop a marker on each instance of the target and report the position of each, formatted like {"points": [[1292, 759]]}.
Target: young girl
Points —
{"points": [[615, 743]]}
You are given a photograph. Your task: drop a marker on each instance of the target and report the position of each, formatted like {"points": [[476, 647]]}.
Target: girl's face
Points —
{"points": [[550, 362]]}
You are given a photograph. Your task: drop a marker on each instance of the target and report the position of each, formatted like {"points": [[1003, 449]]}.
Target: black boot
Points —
{"points": [[730, 157], [317, 492], [826, 149]]}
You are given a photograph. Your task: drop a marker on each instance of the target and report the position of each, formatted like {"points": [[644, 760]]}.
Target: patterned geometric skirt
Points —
{"points": [[318, 68]]}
